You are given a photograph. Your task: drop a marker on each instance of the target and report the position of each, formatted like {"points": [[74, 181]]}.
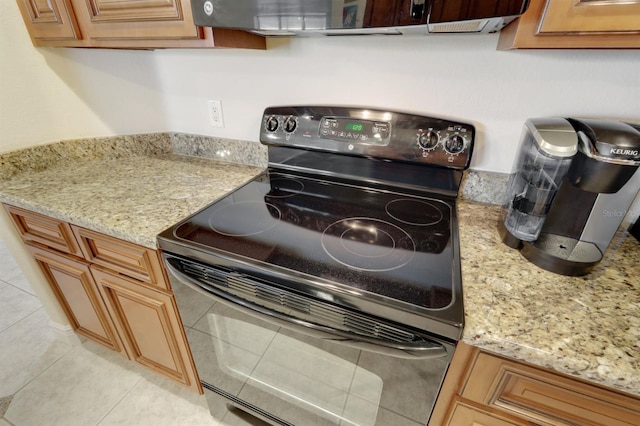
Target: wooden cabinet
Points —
{"points": [[148, 324], [37, 228], [50, 21], [125, 24], [575, 24], [465, 412], [112, 291], [481, 388], [121, 256], [78, 294]]}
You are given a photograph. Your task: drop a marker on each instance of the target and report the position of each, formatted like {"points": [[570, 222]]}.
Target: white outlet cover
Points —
{"points": [[215, 113]]}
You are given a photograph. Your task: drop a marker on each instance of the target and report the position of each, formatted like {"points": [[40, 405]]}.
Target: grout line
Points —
{"points": [[19, 288], [8, 422], [19, 320], [12, 272], [119, 401], [45, 369]]}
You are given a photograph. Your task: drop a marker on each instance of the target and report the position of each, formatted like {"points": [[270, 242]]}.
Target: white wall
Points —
{"points": [[49, 94], [460, 76]]}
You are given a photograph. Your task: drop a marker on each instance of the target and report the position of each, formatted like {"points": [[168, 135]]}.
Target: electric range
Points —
{"points": [[356, 209]]}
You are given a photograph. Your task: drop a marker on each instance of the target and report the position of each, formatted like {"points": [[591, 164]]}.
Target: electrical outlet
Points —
{"points": [[215, 113]]}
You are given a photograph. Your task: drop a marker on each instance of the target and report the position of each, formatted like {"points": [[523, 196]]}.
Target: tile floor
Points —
{"points": [[44, 381]]}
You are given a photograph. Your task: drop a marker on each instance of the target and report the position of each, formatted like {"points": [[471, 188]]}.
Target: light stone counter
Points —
{"points": [[133, 188], [588, 327], [131, 195]]}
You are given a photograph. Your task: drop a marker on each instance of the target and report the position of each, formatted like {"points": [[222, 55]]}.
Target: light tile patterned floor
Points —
{"points": [[44, 381]]}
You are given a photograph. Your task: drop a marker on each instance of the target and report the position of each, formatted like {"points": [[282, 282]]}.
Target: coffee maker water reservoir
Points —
{"points": [[572, 183]]}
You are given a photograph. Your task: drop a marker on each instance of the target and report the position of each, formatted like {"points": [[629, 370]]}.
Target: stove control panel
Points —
{"points": [[370, 132]]}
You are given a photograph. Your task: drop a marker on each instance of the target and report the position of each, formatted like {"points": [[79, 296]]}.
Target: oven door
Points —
{"points": [[285, 369]]}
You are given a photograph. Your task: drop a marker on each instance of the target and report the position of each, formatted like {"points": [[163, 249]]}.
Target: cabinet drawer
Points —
{"points": [[544, 397], [466, 413], [45, 230], [121, 256]]}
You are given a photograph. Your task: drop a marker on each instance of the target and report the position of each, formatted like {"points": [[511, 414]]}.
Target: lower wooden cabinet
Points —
{"points": [[148, 325], [121, 256], [112, 291], [465, 412], [485, 389], [78, 294], [44, 230]]}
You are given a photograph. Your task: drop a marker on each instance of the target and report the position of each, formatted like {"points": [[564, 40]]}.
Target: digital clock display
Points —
{"points": [[355, 131], [354, 127]]}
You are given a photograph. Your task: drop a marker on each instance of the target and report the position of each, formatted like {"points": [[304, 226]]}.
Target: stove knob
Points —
{"points": [[454, 144], [290, 124], [272, 124], [428, 140]]}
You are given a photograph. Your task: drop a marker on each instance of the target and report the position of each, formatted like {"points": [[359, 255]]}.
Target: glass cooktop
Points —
{"points": [[383, 242]]}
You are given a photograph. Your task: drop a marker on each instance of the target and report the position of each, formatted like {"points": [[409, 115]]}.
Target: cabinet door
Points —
{"points": [[481, 388], [50, 22], [125, 24], [135, 20], [575, 24], [591, 16], [152, 24], [148, 323], [75, 289], [543, 397]]}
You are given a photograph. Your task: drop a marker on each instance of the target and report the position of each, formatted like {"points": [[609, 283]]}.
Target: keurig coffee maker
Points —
{"points": [[571, 186]]}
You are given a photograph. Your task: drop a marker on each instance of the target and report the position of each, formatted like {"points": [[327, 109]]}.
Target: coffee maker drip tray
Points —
{"points": [[561, 254]]}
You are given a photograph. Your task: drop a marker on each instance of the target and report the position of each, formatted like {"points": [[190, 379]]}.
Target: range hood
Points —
{"points": [[353, 17]]}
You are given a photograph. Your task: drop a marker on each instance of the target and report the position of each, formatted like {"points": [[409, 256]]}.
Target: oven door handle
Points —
{"points": [[427, 349]]}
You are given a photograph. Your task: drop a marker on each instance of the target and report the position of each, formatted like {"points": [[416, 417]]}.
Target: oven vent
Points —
{"points": [[209, 275], [306, 308]]}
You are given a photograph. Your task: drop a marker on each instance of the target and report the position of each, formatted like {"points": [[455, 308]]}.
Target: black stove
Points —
{"points": [[356, 209]]}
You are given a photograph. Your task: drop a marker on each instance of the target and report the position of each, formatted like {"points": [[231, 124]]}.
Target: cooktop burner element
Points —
{"points": [[368, 244], [334, 231], [414, 212], [250, 218], [359, 213]]}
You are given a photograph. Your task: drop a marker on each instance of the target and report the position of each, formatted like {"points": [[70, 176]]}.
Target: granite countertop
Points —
{"points": [[132, 198], [588, 327]]}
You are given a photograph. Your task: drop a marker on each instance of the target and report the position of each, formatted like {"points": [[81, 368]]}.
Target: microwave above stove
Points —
{"points": [[357, 17]]}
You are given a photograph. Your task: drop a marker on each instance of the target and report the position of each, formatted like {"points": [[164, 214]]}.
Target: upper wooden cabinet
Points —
{"points": [[575, 24], [125, 24], [50, 21]]}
